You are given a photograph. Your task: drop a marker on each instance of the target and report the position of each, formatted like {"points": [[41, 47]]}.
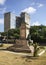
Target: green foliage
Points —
{"points": [[38, 33], [4, 34], [16, 36], [12, 33]]}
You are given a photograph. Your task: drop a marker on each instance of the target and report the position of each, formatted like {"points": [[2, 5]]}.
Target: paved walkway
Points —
{"points": [[25, 54]]}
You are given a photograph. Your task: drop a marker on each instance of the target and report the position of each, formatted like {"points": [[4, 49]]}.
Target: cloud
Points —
{"points": [[36, 23], [2, 10], [2, 2], [29, 10], [37, 4], [1, 21], [40, 5]]}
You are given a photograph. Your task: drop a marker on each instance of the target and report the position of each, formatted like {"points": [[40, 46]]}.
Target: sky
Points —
{"points": [[35, 8]]}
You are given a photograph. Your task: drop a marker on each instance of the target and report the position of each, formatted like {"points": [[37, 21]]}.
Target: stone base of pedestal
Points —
{"points": [[20, 46]]}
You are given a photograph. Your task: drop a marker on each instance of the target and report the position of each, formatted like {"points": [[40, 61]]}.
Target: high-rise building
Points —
{"points": [[9, 21], [18, 21], [25, 17]]}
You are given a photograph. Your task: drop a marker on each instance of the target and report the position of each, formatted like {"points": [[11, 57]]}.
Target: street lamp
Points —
{"points": [[7, 36], [0, 37], [1, 40]]}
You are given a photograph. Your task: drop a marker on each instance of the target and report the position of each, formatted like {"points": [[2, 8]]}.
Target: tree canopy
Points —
{"points": [[38, 33], [12, 33]]}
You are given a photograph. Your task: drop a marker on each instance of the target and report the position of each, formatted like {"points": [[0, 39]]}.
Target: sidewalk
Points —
{"points": [[24, 54]]}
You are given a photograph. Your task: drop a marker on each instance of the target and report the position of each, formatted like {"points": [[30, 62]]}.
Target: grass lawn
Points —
{"points": [[14, 59]]}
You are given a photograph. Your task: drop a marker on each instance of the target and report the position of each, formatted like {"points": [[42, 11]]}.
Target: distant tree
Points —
{"points": [[14, 33], [3, 33], [16, 36], [38, 33]]}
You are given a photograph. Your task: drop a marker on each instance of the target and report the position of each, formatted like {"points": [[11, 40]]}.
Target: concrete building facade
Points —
{"points": [[24, 17], [18, 22], [9, 21]]}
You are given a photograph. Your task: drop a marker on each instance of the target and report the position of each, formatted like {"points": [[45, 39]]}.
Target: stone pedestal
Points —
{"points": [[24, 30], [21, 44]]}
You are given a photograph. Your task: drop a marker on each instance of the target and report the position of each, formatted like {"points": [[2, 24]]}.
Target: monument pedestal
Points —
{"points": [[21, 44]]}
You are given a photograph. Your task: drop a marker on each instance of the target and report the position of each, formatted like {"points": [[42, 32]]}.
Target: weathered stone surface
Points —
{"points": [[20, 46]]}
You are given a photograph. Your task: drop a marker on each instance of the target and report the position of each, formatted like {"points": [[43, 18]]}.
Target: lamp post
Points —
{"points": [[0, 37], [7, 36], [1, 40]]}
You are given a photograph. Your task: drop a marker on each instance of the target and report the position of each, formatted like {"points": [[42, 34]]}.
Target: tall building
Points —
{"points": [[18, 21], [24, 17], [9, 21]]}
